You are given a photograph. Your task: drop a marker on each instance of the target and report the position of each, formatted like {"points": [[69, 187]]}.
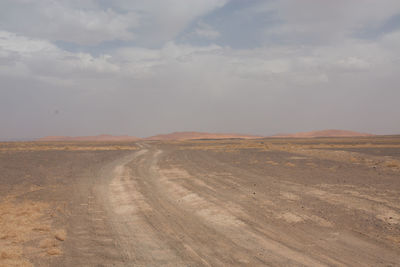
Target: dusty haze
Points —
{"points": [[137, 68]]}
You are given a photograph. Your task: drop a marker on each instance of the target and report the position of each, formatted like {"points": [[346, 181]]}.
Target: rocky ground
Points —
{"points": [[311, 202]]}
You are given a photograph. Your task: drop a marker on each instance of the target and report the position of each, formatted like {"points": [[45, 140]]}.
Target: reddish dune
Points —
{"points": [[324, 133], [103, 137], [199, 135]]}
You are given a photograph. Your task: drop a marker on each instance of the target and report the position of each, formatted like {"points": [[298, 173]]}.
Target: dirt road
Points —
{"points": [[182, 209], [174, 205]]}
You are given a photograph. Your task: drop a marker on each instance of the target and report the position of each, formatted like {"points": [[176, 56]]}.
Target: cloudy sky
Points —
{"points": [[86, 67]]}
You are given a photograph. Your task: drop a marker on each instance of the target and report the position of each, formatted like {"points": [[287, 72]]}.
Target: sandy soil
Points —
{"points": [[206, 203], [324, 133], [199, 135]]}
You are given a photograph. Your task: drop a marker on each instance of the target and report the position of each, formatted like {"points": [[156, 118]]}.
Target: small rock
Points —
{"points": [[60, 235]]}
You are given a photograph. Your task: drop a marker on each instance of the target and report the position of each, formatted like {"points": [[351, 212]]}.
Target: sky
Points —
{"points": [[88, 67]]}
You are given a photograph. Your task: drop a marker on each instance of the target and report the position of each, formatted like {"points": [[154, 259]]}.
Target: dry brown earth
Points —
{"points": [[199, 135], [325, 133], [97, 138], [269, 202]]}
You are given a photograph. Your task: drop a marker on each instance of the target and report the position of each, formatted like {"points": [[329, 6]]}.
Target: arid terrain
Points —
{"points": [[233, 202], [199, 135], [97, 138], [324, 133]]}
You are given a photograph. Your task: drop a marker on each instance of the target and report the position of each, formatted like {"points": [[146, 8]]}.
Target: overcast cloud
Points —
{"points": [[147, 67]]}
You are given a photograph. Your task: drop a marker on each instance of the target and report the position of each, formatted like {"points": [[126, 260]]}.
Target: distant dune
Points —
{"points": [[324, 133], [199, 135], [103, 137]]}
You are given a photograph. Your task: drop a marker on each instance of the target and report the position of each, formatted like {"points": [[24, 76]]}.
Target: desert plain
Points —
{"points": [[231, 202]]}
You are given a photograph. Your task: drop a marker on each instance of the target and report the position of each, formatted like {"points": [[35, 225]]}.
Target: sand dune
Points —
{"points": [[204, 135], [199, 135], [324, 133]]}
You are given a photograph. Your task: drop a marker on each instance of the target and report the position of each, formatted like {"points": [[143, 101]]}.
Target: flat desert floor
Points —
{"points": [[266, 202]]}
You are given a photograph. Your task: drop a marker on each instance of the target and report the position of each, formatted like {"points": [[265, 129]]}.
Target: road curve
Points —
{"points": [[178, 212]]}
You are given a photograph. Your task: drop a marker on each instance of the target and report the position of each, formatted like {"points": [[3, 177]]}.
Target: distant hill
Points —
{"points": [[324, 133], [103, 137], [199, 135]]}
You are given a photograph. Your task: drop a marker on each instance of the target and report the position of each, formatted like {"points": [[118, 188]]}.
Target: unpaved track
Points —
{"points": [[160, 208]]}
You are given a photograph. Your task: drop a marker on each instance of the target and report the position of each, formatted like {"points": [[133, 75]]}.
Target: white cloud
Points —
{"points": [[315, 55], [162, 20], [89, 23], [86, 27], [206, 31], [353, 64], [275, 66], [315, 21], [38, 58], [11, 42], [66, 21]]}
